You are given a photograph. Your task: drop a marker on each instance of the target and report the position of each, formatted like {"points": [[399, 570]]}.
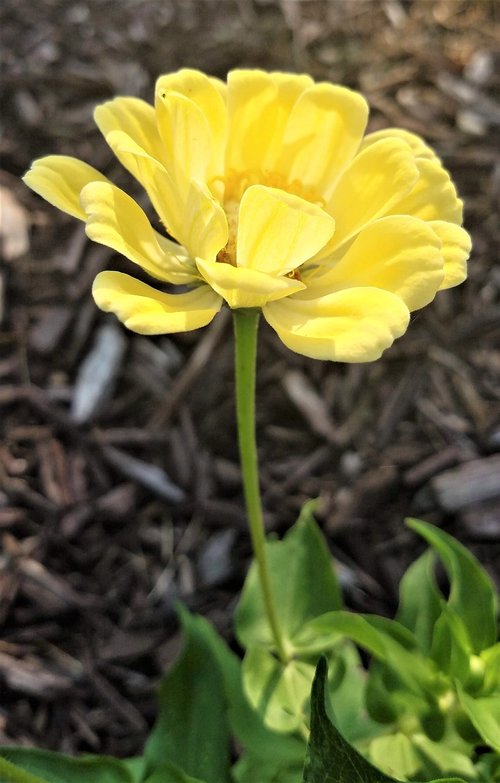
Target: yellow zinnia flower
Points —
{"points": [[274, 199]]}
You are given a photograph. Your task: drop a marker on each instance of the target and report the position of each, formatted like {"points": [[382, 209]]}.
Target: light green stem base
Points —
{"points": [[246, 323]]}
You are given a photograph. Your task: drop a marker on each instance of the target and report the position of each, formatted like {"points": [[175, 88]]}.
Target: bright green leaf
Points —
{"points": [[347, 697], [324, 632], [472, 594], [484, 714], [278, 693], [191, 731], [58, 768], [420, 601], [443, 758], [450, 645], [491, 661], [395, 754], [303, 582]]}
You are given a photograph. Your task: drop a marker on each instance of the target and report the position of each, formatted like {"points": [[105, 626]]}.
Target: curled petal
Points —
{"points": [[376, 180], [242, 287], [145, 310], [277, 231], [115, 220], [59, 179], [189, 214], [433, 196], [400, 254], [417, 145], [455, 248], [134, 117], [355, 325]]}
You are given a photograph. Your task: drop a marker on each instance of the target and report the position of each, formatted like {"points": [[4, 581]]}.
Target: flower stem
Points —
{"points": [[246, 323]]}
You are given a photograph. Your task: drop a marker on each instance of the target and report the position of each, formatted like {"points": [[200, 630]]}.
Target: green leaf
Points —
{"points": [[330, 758], [303, 583], [58, 768], [396, 754], [278, 693], [347, 696], [324, 632], [450, 645], [168, 773], [420, 602], [191, 731], [472, 594], [251, 769], [491, 661], [443, 758], [484, 714]]}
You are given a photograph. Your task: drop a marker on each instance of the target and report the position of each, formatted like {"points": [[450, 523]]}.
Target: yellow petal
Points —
{"points": [[207, 94], [433, 196], [258, 105], [147, 311], [399, 254], [191, 216], [277, 231], [417, 145], [185, 135], [242, 287], [115, 220], [456, 246], [134, 117], [356, 325], [59, 179], [376, 179], [322, 135]]}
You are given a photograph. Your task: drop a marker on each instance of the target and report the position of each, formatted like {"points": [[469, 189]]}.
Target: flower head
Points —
{"points": [[271, 197]]}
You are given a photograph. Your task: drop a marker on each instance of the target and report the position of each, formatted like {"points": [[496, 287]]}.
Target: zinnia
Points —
{"points": [[272, 198]]}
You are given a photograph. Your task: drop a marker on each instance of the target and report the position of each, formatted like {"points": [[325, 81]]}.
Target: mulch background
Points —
{"points": [[119, 480]]}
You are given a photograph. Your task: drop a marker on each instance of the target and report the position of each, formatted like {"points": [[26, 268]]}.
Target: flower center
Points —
{"points": [[234, 184]]}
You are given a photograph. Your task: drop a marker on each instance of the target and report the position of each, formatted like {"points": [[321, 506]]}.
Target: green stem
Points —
{"points": [[246, 323]]}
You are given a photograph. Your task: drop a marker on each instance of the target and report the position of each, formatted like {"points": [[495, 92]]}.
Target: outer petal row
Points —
{"points": [[354, 325], [400, 254], [59, 179], [145, 310], [116, 220]]}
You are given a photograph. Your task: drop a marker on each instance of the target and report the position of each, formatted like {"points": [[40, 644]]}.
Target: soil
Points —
{"points": [[120, 487]]}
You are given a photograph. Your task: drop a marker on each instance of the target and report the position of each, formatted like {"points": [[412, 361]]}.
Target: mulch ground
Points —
{"points": [[120, 487]]}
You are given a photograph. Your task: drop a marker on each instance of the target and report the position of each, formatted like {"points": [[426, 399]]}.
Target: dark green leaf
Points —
{"points": [[191, 731], [58, 768], [330, 758], [472, 594]]}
